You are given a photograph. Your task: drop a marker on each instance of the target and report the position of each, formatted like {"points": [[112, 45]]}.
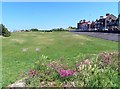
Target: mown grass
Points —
{"points": [[52, 44]]}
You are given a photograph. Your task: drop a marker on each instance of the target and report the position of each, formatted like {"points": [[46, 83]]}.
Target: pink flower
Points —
{"points": [[32, 73], [74, 71], [65, 73]]}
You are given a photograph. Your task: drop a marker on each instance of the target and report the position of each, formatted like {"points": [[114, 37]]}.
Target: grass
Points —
{"points": [[89, 71], [52, 44]]}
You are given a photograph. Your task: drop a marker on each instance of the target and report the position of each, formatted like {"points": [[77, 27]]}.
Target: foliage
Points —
{"points": [[70, 27], [59, 29], [34, 29], [86, 73], [4, 31], [45, 31], [22, 49]]}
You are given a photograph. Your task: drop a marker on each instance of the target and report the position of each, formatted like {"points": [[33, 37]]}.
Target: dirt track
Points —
{"points": [[106, 36]]}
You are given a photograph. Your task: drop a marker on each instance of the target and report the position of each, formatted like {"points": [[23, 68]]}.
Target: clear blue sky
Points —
{"points": [[48, 15]]}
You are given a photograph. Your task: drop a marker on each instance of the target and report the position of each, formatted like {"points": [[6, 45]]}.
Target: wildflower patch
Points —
{"points": [[85, 73]]}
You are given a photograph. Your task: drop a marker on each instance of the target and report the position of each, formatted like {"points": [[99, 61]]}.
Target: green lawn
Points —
{"points": [[52, 44]]}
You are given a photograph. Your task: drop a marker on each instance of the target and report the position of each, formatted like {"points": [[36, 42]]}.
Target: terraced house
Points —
{"points": [[108, 22]]}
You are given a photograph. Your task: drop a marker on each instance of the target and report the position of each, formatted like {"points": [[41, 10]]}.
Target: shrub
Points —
{"points": [[86, 73], [45, 30], [34, 29], [4, 31], [59, 29]]}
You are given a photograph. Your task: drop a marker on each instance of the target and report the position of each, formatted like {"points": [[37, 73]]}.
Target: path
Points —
{"points": [[106, 36]]}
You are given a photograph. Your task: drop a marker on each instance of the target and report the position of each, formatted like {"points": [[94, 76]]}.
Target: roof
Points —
{"points": [[110, 15], [113, 16], [105, 17]]}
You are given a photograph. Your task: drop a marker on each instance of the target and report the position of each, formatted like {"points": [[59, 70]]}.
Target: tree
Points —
{"points": [[4, 31], [70, 27], [58, 29], [34, 29]]}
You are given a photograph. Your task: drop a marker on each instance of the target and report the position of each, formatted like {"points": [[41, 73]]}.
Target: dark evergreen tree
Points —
{"points": [[4, 31], [34, 29]]}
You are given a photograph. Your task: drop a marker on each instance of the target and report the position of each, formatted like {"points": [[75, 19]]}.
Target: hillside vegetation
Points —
{"points": [[22, 49]]}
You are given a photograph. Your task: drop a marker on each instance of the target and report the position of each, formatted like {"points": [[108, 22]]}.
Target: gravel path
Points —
{"points": [[106, 36]]}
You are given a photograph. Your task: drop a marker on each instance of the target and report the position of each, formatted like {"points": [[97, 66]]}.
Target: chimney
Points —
{"points": [[107, 14], [101, 17]]}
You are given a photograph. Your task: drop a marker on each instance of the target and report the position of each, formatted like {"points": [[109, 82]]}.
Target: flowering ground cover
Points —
{"points": [[22, 50], [94, 71]]}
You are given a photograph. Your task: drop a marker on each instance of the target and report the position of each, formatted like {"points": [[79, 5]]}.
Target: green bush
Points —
{"points": [[34, 29], [45, 30], [4, 31], [59, 29], [89, 73]]}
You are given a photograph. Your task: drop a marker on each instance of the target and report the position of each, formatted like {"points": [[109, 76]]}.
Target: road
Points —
{"points": [[106, 36]]}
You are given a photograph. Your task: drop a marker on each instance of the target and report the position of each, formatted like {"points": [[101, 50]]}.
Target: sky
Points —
{"points": [[49, 15], [60, 0]]}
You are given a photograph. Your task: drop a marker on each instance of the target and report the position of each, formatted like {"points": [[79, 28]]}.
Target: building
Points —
{"points": [[83, 25], [107, 22]]}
